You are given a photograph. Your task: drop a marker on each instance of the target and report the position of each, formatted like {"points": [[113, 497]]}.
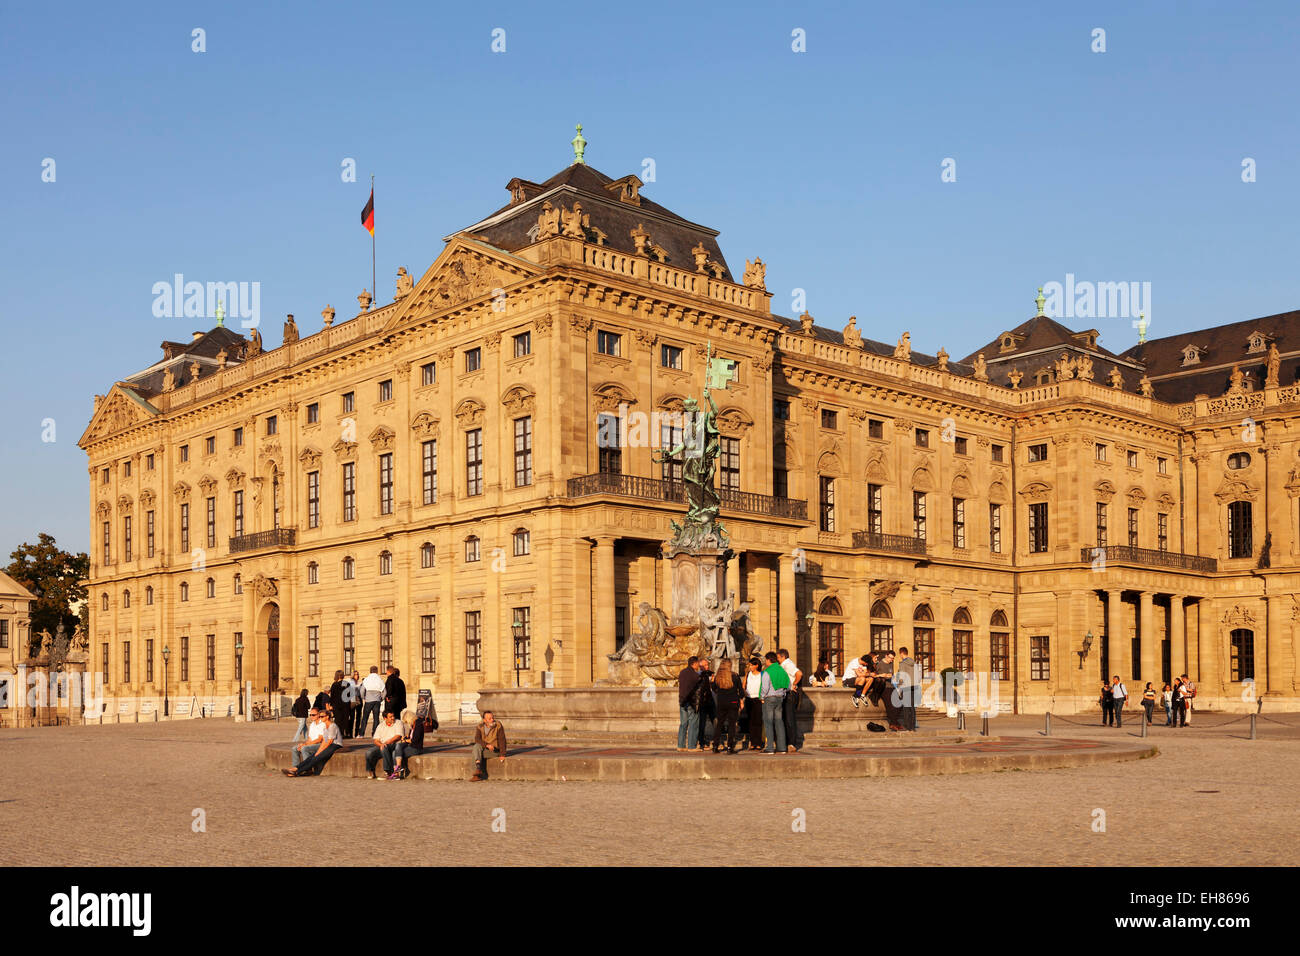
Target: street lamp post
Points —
{"points": [[167, 653], [239, 674]]}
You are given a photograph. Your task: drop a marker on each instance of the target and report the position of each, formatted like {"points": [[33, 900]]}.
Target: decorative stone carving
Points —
{"points": [[1014, 377], [543, 324], [404, 284], [1116, 379], [235, 477], [518, 401], [701, 256], [580, 323], [103, 510], [1085, 370], [639, 239], [548, 222], [381, 439], [263, 586], [573, 222], [1238, 616], [222, 358], [1136, 496], [208, 484], [147, 498], [852, 337], [1064, 368], [1234, 381], [493, 341], [1036, 491], [981, 372], [903, 350], [1274, 366], [734, 421], [942, 357], [403, 371], [1104, 490], [327, 315], [755, 274], [364, 300], [469, 413], [195, 367], [290, 330], [169, 381], [344, 450], [609, 396], [425, 424], [1147, 388], [254, 346], [1235, 489], [806, 323], [903, 425]]}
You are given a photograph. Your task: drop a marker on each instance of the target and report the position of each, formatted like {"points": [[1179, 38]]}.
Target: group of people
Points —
{"points": [[1176, 697], [351, 702], [873, 676]]}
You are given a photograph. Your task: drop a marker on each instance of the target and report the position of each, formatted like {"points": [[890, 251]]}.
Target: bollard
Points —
{"points": [[1143, 721], [984, 730], [1252, 727], [961, 720], [1047, 732]]}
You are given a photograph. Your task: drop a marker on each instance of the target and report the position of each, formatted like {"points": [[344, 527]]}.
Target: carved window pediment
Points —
{"points": [[609, 396], [208, 484], [146, 498], [425, 424], [997, 492], [961, 486], [922, 480], [829, 464], [1238, 616], [469, 413], [124, 504], [181, 491], [734, 421], [877, 473], [309, 457], [518, 401], [1234, 489], [345, 449], [1036, 491], [103, 510], [381, 439], [1136, 496]]}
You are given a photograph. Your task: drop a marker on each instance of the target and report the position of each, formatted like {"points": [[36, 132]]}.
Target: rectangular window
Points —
{"points": [[958, 522], [349, 402], [1038, 528], [999, 656], [1162, 532], [313, 573], [107, 535], [473, 359], [522, 630], [609, 444], [995, 529], [963, 651], [385, 645], [313, 499], [523, 451], [1240, 533], [1162, 466], [103, 477], [729, 465], [428, 644], [922, 438], [996, 452], [620, 626], [349, 647], [1101, 524], [523, 343], [148, 661], [670, 356], [473, 641], [313, 413], [471, 549], [670, 437], [959, 446], [875, 428], [185, 456], [875, 509], [1040, 658], [126, 537], [386, 390], [1241, 656], [210, 445], [918, 514], [826, 503], [239, 659], [1099, 452], [239, 513], [882, 637], [350, 491], [313, 651], [185, 658], [148, 532], [429, 470], [126, 662], [830, 418], [427, 555], [103, 649], [239, 436], [1132, 527], [522, 542], [780, 409], [1132, 459], [271, 423], [148, 462], [474, 462], [185, 528], [386, 483], [780, 480], [428, 373], [126, 469], [4, 633], [609, 343], [1038, 452], [212, 522], [923, 649], [212, 657]]}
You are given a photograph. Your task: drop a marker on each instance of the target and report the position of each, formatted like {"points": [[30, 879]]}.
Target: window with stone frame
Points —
{"points": [[473, 640], [1040, 658], [428, 644]]}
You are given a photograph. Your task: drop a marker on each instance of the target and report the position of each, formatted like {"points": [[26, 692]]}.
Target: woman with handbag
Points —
{"points": [[1107, 705]]}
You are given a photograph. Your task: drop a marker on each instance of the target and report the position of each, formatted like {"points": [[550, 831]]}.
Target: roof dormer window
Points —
{"points": [[1191, 355], [1258, 342]]}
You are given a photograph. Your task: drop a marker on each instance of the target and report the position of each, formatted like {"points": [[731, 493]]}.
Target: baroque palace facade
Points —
{"points": [[426, 483]]}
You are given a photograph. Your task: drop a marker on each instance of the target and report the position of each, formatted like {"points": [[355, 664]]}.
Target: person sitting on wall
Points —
{"points": [[331, 743], [387, 736], [858, 676], [489, 737], [311, 742], [412, 742]]}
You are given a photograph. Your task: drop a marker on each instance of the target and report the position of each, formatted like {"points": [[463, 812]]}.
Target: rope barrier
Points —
{"points": [[1199, 723]]}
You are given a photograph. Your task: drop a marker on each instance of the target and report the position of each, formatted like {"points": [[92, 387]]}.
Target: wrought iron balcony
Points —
{"points": [[277, 538], [896, 543], [1119, 554], [657, 489]]}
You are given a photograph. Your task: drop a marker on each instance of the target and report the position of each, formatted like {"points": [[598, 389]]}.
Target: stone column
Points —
{"points": [[602, 602], [1177, 636], [788, 633], [1150, 647], [1116, 638]]}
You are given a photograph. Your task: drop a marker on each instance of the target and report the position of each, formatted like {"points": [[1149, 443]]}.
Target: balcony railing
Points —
{"points": [[1119, 554], [657, 489], [896, 543], [277, 538]]}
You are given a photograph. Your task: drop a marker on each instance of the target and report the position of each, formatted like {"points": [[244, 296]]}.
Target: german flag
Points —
{"points": [[368, 214]]}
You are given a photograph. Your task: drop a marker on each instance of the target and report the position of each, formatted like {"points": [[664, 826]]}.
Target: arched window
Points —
{"points": [[1239, 460], [831, 606], [385, 562], [211, 588], [185, 590], [882, 632], [313, 573], [103, 601], [1241, 655], [999, 619], [148, 594], [830, 634], [999, 647], [126, 598], [349, 569], [963, 641], [471, 548], [426, 555], [923, 638]]}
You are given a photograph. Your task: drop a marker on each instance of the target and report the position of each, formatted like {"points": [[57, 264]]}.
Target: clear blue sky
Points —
{"points": [[225, 165]]}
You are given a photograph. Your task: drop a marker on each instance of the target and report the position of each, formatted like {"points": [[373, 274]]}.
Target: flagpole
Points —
{"points": [[374, 288]]}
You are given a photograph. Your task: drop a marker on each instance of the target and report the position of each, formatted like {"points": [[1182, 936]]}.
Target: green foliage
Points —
{"points": [[55, 578]]}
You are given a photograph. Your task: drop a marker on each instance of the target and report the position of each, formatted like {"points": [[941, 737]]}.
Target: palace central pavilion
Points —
{"points": [[423, 484]]}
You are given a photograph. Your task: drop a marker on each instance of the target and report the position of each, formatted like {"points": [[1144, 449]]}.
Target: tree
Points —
{"points": [[57, 580]]}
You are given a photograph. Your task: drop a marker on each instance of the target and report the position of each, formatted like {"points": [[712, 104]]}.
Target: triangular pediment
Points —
{"points": [[466, 271], [120, 410]]}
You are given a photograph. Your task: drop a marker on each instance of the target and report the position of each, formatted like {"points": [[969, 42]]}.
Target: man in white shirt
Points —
{"points": [[387, 736], [311, 743], [373, 689], [858, 676], [1118, 693], [331, 743]]}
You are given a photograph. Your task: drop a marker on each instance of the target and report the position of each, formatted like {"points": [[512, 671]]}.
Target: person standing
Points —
{"points": [[775, 683], [1167, 695], [1118, 693], [907, 680], [1149, 700], [301, 710], [372, 689], [882, 688], [753, 715], [1189, 694], [1183, 699], [358, 706], [704, 702], [394, 691], [790, 704], [688, 725], [727, 689], [339, 706], [1107, 706], [489, 737]]}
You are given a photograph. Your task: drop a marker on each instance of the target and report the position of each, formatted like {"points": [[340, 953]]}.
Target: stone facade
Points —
{"points": [[875, 495]]}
